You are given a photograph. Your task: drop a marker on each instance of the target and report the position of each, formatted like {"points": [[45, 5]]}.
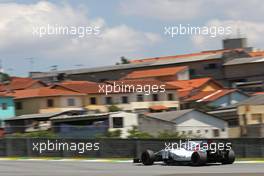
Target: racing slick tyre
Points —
{"points": [[199, 158], [148, 157], [229, 157]]}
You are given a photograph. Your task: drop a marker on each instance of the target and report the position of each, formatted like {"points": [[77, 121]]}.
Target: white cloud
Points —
{"points": [[17, 22], [194, 9], [250, 29], [162, 9]]}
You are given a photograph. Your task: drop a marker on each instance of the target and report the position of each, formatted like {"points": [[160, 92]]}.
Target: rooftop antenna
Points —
{"points": [[54, 68]]}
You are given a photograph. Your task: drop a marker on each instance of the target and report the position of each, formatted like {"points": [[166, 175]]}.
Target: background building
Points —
{"points": [[7, 108]]}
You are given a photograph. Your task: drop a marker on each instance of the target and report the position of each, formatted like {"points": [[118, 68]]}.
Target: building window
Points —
{"points": [[206, 131], [198, 131], [19, 105], [211, 66], [216, 133], [170, 96], [155, 97], [124, 99], [140, 97], [93, 100], [118, 122], [192, 72], [108, 100], [190, 132], [4, 106], [71, 102], [50, 103], [256, 117]]}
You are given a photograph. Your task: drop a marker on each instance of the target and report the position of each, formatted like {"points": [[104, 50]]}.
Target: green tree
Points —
{"points": [[113, 108], [123, 60], [170, 135], [134, 133], [110, 134], [173, 135], [4, 77], [36, 134]]}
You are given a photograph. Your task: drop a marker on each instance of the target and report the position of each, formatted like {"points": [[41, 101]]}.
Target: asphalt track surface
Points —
{"points": [[78, 168]]}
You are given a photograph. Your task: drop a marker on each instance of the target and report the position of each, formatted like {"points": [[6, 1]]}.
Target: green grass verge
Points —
{"points": [[111, 159]]}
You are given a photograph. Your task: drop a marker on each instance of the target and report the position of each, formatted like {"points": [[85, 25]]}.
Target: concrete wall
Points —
{"points": [[39, 105], [192, 122], [199, 68], [234, 132], [129, 120], [133, 104], [243, 147], [184, 75], [250, 112], [154, 126], [229, 99], [252, 72]]}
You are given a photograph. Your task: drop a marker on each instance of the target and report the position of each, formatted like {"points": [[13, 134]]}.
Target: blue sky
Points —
{"points": [[130, 28]]}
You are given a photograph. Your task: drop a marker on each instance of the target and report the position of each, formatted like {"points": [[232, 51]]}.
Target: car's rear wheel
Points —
{"points": [[199, 158], [148, 157], [229, 157]]}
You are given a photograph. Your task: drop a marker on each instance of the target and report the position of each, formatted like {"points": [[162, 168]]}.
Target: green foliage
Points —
{"points": [[110, 134], [4, 77], [113, 108], [123, 60], [136, 134], [36, 134], [170, 135]]}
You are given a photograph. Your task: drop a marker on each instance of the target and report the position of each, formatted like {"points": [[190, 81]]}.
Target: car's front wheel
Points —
{"points": [[148, 157]]}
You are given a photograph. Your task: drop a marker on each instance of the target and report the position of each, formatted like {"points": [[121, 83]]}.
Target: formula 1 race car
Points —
{"points": [[188, 154]]}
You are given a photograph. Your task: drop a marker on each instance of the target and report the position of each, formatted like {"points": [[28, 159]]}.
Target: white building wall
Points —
{"points": [[195, 121], [129, 120], [133, 104], [184, 75]]}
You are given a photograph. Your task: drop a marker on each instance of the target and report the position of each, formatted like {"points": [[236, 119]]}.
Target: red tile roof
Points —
{"points": [[77, 82], [187, 85], [143, 82], [2, 94], [209, 96], [259, 93], [41, 92], [158, 107], [94, 88], [85, 87], [19, 83], [155, 72], [183, 56], [256, 53]]}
